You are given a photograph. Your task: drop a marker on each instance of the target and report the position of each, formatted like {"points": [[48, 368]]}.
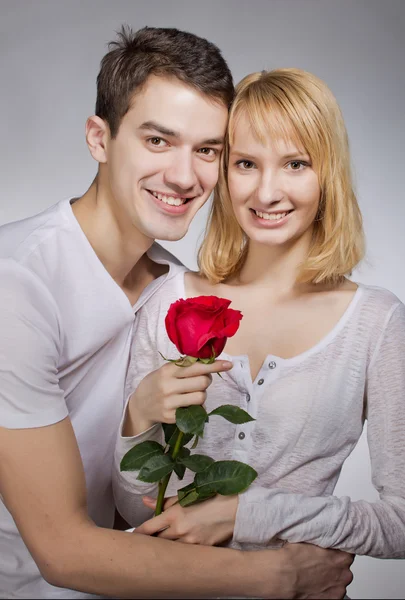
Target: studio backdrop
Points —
{"points": [[49, 59]]}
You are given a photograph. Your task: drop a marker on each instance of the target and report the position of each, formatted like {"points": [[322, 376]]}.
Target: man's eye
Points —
{"points": [[157, 141], [208, 151], [245, 165]]}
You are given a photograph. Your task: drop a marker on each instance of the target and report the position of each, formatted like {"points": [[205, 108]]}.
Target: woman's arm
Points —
{"points": [[128, 490], [373, 528], [156, 389]]}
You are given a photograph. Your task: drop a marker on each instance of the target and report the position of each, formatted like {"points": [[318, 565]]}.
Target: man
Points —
{"points": [[73, 278]]}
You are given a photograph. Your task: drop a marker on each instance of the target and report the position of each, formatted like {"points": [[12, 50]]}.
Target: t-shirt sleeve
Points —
{"points": [[30, 346]]}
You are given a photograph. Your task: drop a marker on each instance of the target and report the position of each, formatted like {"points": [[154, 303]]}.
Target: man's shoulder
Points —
{"points": [[19, 238], [160, 255], [24, 297]]}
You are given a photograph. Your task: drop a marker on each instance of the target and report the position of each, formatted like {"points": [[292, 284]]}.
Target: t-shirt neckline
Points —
{"points": [[329, 337]]}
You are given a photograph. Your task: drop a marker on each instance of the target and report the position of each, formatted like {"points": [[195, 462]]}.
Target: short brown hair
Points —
{"points": [[291, 103], [134, 56]]}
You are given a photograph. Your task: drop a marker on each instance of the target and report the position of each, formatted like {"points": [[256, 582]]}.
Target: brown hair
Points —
{"points": [[163, 52], [291, 103]]}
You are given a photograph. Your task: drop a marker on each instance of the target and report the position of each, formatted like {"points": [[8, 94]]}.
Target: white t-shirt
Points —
{"points": [[66, 330], [309, 411]]}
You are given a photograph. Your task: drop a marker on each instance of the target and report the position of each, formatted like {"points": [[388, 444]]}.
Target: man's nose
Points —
{"points": [[181, 173]]}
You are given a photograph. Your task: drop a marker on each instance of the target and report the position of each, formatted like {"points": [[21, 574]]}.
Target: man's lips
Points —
{"points": [[171, 205], [170, 198]]}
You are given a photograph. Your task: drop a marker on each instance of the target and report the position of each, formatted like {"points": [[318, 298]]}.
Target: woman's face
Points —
{"points": [[274, 190]]}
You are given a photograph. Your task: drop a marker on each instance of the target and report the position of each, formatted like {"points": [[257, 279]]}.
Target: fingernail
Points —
{"points": [[227, 363]]}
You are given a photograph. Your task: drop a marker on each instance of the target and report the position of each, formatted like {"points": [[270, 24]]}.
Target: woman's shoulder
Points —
{"points": [[197, 285], [379, 313], [379, 299]]}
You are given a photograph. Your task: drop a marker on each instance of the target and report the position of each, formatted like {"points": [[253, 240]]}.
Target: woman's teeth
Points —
{"points": [[169, 199], [271, 216]]}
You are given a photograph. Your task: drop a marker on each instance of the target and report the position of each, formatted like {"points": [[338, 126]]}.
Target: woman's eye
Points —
{"points": [[245, 165], [297, 165]]}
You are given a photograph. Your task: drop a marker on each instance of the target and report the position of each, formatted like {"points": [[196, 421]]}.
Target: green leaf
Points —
{"points": [[194, 498], [156, 468], [190, 498], [171, 432], [194, 446], [179, 467], [225, 477], [196, 462], [231, 413], [182, 492], [168, 429], [191, 419], [135, 458], [190, 495]]}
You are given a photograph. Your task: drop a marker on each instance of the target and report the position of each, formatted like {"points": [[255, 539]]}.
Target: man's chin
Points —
{"points": [[172, 236]]}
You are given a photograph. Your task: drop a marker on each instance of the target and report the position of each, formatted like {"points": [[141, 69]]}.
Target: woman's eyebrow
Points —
{"points": [[296, 154], [241, 153]]}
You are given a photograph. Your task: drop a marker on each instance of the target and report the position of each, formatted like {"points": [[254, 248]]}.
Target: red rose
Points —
{"points": [[199, 327]]}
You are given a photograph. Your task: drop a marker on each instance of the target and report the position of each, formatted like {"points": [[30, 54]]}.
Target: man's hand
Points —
{"points": [[313, 572], [209, 523]]}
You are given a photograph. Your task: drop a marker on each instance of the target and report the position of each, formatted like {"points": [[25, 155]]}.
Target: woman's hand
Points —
{"points": [[208, 523], [163, 391]]}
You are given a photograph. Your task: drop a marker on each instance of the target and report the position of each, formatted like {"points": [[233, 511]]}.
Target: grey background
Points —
{"points": [[49, 59]]}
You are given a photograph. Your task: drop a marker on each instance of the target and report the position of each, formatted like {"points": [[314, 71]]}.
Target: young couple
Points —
{"points": [[314, 356]]}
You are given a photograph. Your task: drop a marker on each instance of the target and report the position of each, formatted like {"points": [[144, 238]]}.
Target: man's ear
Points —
{"points": [[97, 137]]}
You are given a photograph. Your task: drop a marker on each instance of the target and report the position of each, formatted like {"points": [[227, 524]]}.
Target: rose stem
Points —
{"points": [[163, 483]]}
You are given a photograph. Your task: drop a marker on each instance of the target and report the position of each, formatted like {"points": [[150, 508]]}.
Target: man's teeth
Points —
{"points": [[271, 216], [169, 199]]}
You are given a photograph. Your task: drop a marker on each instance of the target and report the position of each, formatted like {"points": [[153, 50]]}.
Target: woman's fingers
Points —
{"points": [[154, 525], [170, 501], [151, 502], [168, 534], [199, 368], [181, 400], [193, 384]]}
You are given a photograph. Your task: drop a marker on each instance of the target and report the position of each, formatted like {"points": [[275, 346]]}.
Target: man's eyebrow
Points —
{"points": [[159, 128], [153, 125], [213, 142]]}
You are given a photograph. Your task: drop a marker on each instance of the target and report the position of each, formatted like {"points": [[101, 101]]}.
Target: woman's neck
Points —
{"points": [[274, 268]]}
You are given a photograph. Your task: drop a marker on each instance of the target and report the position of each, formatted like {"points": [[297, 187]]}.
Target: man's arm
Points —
{"points": [[43, 486]]}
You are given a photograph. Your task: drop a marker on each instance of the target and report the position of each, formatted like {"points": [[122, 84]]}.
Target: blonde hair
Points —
{"points": [[291, 104]]}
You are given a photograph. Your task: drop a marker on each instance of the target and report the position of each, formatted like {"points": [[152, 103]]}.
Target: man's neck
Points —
{"points": [[119, 248]]}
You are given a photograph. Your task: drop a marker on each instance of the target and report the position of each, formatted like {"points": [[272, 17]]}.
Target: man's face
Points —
{"points": [[163, 164]]}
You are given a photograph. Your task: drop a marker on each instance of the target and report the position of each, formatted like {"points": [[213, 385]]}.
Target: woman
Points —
{"points": [[316, 354]]}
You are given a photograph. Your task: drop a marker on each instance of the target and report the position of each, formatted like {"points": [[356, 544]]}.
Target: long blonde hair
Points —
{"points": [[291, 103]]}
